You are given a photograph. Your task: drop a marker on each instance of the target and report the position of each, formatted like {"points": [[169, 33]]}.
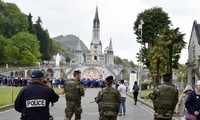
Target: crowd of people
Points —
{"points": [[11, 81], [111, 99]]}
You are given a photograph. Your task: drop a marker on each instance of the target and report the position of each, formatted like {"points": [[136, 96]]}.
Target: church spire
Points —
{"points": [[96, 19], [78, 47], [96, 14], [110, 48]]}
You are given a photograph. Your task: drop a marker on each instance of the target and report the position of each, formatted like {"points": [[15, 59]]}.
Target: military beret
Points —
{"points": [[77, 71], [166, 75], [37, 74], [109, 78]]}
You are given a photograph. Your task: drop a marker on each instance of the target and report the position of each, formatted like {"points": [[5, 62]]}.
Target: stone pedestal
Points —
{"points": [[57, 72], [133, 78]]}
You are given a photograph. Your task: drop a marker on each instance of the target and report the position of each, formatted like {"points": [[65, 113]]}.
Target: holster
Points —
{"points": [[51, 117], [23, 116]]}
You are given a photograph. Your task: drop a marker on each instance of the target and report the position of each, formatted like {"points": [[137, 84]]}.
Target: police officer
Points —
{"points": [[33, 101], [74, 90], [164, 99], [108, 101]]}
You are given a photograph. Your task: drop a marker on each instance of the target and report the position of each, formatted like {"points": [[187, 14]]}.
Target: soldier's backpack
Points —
{"points": [[109, 101], [72, 92], [166, 98]]}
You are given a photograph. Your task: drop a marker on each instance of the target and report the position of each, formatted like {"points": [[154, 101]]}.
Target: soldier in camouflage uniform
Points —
{"points": [[108, 101], [164, 99], [74, 90]]}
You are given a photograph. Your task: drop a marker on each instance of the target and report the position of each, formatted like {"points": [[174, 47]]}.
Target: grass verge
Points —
{"points": [[9, 94]]}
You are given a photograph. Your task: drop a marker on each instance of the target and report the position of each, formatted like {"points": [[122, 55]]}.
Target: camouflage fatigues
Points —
{"points": [[108, 102], [73, 92], [164, 99]]}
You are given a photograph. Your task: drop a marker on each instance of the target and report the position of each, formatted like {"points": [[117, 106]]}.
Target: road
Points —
{"points": [[90, 112]]}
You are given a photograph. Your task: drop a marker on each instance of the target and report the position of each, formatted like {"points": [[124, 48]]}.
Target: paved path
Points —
{"points": [[90, 112]]}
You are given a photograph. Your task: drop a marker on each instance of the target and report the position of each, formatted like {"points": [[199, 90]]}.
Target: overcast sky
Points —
{"points": [[63, 17]]}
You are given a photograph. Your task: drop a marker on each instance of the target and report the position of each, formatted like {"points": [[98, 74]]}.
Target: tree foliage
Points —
{"points": [[31, 28], [164, 43], [173, 40], [12, 20], [45, 41], [155, 19], [18, 43], [28, 45], [8, 52], [123, 62]]}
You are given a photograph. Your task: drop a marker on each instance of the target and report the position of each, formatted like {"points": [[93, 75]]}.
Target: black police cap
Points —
{"points": [[109, 78], [37, 74]]}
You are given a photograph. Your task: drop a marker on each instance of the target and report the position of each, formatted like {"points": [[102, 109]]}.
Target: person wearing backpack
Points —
{"points": [[108, 101], [74, 91], [164, 98], [135, 91]]}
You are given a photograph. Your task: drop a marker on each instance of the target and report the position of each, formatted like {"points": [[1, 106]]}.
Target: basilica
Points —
{"points": [[95, 55]]}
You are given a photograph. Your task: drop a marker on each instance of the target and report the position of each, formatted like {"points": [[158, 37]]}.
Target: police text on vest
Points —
{"points": [[36, 103]]}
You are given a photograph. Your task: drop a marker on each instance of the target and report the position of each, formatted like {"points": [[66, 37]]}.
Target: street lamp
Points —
{"points": [[140, 59]]}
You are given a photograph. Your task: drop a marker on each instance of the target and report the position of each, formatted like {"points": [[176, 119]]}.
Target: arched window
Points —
{"points": [[95, 58]]}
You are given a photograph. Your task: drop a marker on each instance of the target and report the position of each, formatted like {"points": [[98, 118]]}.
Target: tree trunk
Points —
{"points": [[170, 60], [158, 73]]}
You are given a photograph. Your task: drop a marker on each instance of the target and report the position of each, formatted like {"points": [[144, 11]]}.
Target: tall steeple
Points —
{"points": [[78, 47], [110, 54], [96, 21], [110, 48], [79, 53], [96, 46]]}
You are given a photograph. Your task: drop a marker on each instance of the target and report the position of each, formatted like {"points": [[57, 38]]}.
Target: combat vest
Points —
{"points": [[109, 100], [72, 91], [166, 98]]}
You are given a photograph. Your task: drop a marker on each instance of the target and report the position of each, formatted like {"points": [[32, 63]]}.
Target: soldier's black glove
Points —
{"points": [[96, 100], [52, 104], [151, 96]]}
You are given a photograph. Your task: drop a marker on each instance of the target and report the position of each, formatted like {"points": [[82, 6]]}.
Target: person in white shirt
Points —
{"points": [[122, 91]]}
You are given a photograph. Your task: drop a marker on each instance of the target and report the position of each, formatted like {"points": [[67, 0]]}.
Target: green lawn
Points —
{"points": [[148, 91], [9, 94]]}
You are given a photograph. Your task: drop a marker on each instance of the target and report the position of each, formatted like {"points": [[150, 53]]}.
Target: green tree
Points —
{"points": [[174, 41], [46, 45], [117, 60], [30, 24], [132, 64], [126, 63], [125, 75], [68, 59], [8, 51], [12, 20], [27, 58], [155, 19], [158, 57], [27, 43]]}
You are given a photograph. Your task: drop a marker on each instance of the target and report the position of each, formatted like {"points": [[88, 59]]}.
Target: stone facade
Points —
{"points": [[193, 64], [95, 54]]}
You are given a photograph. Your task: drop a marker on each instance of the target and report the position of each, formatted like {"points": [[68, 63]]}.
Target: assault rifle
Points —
{"points": [[95, 100]]}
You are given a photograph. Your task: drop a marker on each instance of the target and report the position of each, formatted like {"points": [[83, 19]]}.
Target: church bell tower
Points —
{"points": [[96, 46]]}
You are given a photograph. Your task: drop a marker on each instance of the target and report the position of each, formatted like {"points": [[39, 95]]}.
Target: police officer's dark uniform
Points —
{"points": [[33, 100]]}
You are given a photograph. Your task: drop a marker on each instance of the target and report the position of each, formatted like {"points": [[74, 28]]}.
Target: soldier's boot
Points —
{"points": [[77, 116], [67, 119]]}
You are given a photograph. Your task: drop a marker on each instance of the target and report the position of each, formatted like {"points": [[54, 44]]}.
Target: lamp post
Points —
{"points": [[140, 59]]}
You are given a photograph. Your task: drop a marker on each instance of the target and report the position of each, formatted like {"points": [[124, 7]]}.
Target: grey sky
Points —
{"points": [[63, 17]]}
